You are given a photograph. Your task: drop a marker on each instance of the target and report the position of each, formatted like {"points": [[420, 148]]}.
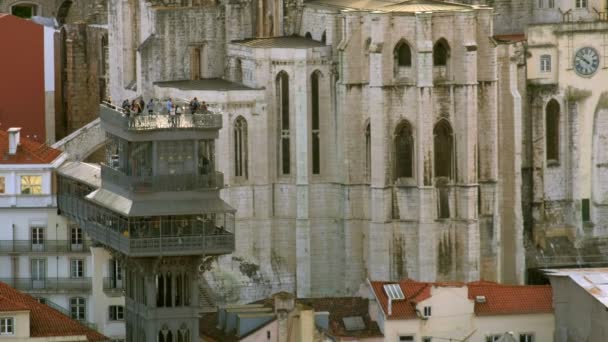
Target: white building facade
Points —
{"points": [[41, 252]]}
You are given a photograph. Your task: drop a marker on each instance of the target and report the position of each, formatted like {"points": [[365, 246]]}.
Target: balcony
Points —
{"points": [[113, 287], [51, 284], [145, 122], [164, 245], [162, 183], [46, 246]]}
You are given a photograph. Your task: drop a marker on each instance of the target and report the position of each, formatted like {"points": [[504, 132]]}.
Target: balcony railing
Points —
{"points": [[165, 245], [162, 183], [46, 246], [113, 286], [158, 121], [48, 284]]}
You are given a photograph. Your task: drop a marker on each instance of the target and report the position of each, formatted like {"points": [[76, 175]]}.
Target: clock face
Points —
{"points": [[586, 61]]}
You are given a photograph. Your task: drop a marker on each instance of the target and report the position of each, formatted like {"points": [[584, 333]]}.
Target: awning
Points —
{"points": [[139, 208]]}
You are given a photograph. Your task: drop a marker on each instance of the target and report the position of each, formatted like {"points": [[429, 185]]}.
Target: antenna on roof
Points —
{"points": [[393, 291]]}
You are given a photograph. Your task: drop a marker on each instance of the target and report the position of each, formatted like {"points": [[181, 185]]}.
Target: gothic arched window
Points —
{"points": [[316, 144], [552, 130], [443, 146], [324, 37], [441, 53], [368, 151], [403, 54], [240, 147], [282, 91], [404, 151]]}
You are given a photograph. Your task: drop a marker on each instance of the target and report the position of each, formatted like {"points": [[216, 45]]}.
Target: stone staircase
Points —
{"points": [[206, 300]]}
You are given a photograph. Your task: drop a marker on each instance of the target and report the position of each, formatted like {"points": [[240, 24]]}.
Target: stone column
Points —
{"points": [[301, 129]]}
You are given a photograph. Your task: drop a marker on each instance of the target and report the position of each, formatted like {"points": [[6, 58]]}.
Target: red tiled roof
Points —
{"points": [[46, 321], [413, 291], [9, 305], [500, 299], [28, 152], [511, 299]]}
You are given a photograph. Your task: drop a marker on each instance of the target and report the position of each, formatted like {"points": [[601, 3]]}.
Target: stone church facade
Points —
{"points": [[361, 140]]}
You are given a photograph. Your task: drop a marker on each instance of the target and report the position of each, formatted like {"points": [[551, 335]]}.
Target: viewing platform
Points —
{"points": [[160, 119]]}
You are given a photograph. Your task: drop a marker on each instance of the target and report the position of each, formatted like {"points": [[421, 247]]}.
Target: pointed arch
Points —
{"points": [[443, 141], [441, 52], [308, 35], [324, 37], [315, 79], [552, 117], [282, 93], [63, 10], [368, 150], [402, 54], [404, 150], [240, 147]]}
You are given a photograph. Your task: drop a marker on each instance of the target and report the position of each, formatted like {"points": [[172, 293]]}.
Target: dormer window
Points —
{"points": [[7, 326]]}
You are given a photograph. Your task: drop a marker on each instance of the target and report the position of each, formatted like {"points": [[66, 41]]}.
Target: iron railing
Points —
{"points": [[45, 246], [162, 182], [113, 287], [158, 121], [164, 245], [48, 284]]}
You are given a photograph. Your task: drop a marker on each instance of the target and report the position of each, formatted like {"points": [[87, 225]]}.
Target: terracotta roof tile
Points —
{"points": [[500, 299], [46, 321], [28, 152], [9, 305], [511, 299]]}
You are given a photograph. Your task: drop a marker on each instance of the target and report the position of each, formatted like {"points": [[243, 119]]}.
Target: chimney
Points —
{"points": [[13, 139]]}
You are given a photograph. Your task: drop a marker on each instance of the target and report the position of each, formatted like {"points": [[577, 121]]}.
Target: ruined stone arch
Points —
{"points": [[441, 52], [552, 130], [402, 54], [63, 11], [404, 150]]}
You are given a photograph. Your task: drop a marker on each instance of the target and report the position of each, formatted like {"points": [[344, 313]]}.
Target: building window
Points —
{"points": [[585, 210], [316, 144], [427, 339], [75, 238], [77, 308], [183, 334], [552, 131], [283, 113], [540, 3], [7, 326], [408, 338], [545, 63], [581, 3], [551, 3], [368, 151], [403, 54], [37, 238], [427, 311], [77, 268], [25, 11], [117, 313], [404, 151], [526, 337], [240, 147], [441, 53], [443, 146], [493, 338], [324, 38], [2, 185], [308, 35], [31, 185], [165, 335]]}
